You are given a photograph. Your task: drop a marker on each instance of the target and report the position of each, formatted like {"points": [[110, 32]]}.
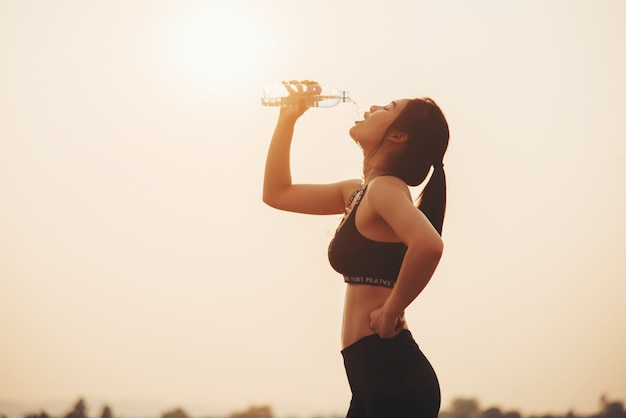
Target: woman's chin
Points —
{"points": [[352, 129]]}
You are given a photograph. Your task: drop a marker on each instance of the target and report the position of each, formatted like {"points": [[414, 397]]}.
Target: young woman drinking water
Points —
{"points": [[386, 247]]}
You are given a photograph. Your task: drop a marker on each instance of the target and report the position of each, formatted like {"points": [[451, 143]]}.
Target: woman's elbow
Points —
{"points": [[435, 250], [275, 199], [270, 200], [269, 194], [431, 248]]}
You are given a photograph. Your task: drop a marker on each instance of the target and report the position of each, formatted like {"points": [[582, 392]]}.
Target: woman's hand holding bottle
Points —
{"points": [[301, 94], [305, 93]]}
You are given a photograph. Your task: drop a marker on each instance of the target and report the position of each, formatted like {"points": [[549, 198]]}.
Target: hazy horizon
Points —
{"points": [[146, 408]]}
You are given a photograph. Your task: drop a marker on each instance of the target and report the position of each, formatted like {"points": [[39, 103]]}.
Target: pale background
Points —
{"points": [[138, 264]]}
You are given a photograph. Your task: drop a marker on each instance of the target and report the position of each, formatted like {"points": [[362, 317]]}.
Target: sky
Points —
{"points": [[140, 268]]}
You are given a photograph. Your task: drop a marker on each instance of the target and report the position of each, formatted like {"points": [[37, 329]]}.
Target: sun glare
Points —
{"points": [[215, 44]]}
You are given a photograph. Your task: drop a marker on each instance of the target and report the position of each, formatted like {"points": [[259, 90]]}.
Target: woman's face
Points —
{"points": [[369, 132]]}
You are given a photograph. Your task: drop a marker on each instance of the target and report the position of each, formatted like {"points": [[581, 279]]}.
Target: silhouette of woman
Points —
{"points": [[387, 247]]}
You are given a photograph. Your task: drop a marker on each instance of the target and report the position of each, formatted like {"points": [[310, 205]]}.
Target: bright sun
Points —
{"points": [[216, 43]]}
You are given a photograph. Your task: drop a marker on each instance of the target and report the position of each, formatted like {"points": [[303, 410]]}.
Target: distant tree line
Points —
{"points": [[470, 408], [80, 411], [459, 408]]}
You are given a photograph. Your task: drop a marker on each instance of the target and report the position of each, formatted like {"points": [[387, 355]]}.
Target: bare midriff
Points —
{"points": [[360, 301]]}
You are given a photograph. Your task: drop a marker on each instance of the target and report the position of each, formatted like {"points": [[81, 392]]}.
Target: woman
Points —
{"points": [[386, 247]]}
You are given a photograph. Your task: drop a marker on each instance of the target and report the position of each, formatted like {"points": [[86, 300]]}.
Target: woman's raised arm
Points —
{"points": [[278, 190]]}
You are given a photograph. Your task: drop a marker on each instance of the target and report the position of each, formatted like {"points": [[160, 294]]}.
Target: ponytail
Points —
{"points": [[432, 200], [428, 133]]}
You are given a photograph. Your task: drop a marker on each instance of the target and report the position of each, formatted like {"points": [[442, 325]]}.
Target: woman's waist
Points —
{"points": [[360, 301]]}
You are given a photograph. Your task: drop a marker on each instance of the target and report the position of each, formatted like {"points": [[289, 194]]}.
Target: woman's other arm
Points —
{"points": [[390, 198]]}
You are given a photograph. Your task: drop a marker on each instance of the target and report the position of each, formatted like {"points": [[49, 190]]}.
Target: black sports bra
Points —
{"points": [[360, 259]]}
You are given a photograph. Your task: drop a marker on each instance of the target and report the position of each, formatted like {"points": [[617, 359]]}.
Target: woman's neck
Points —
{"points": [[375, 164], [370, 174]]}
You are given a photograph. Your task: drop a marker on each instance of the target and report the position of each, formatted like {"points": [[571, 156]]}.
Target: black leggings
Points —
{"points": [[390, 378]]}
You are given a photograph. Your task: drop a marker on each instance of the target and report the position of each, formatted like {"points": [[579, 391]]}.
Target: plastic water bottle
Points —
{"points": [[317, 95]]}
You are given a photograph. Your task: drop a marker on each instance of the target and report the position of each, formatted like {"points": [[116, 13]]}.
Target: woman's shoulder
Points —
{"points": [[385, 190], [387, 184]]}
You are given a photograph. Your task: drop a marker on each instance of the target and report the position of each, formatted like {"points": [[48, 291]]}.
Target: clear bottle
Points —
{"points": [[318, 95]]}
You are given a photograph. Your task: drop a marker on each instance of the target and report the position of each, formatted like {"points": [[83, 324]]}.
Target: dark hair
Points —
{"points": [[423, 121]]}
